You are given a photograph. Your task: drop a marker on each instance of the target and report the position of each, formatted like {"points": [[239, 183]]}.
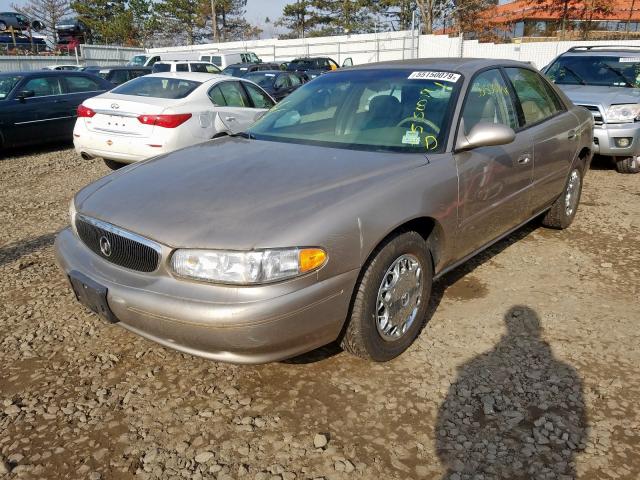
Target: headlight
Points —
{"points": [[246, 268], [623, 113]]}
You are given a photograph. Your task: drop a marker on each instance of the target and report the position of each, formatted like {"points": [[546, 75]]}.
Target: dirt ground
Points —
{"points": [[527, 368]]}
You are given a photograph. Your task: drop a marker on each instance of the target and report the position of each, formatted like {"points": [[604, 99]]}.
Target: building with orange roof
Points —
{"points": [[546, 18]]}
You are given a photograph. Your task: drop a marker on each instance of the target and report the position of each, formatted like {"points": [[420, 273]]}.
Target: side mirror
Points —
{"points": [[348, 62], [484, 134], [25, 94]]}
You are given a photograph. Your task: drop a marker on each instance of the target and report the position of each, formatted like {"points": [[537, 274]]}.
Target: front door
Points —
{"points": [[494, 181]]}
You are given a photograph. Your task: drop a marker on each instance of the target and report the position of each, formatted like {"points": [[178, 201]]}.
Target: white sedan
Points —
{"points": [[162, 112]]}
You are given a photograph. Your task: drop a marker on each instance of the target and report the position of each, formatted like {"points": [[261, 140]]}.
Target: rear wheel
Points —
{"points": [[391, 299], [563, 210], [628, 165], [112, 164]]}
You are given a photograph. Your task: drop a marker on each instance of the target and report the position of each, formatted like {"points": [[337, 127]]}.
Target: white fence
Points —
{"points": [[373, 47], [87, 55]]}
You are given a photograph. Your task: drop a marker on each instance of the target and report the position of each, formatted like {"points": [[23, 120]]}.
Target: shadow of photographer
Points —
{"points": [[514, 412]]}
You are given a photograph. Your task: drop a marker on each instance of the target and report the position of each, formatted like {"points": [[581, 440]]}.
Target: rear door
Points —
{"points": [[45, 115], [553, 130], [494, 181], [78, 88], [237, 113]]}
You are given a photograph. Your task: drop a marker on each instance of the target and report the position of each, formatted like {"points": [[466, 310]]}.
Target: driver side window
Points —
{"points": [[489, 100]]}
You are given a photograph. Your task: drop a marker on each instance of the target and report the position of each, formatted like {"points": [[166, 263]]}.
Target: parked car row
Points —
{"points": [[329, 217]]}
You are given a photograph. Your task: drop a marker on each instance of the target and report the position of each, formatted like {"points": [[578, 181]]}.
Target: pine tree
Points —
{"points": [[109, 21]]}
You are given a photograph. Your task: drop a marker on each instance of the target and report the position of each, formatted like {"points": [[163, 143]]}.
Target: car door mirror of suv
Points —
{"points": [[25, 94], [484, 134]]}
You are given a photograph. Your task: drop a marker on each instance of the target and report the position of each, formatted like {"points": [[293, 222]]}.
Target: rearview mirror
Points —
{"points": [[26, 94], [484, 134]]}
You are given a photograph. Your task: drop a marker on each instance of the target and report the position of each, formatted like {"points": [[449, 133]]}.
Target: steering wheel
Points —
{"points": [[435, 128]]}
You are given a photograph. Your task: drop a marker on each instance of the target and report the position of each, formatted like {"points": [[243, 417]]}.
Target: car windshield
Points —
{"points": [[393, 110], [261, 78], [8, 83], [138, 60], [157, 87], [235, 71], [621, 70]]}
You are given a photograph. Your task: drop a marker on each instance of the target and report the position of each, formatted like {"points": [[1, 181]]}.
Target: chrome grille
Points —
{"points": [[595, 111], [125, 249]]}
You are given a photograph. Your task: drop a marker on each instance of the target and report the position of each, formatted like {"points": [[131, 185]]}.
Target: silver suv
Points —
{"points": [[606, 81]]}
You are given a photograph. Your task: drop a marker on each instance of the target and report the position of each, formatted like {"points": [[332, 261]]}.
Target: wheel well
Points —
{"points": [[428, 228], [584, 156]]}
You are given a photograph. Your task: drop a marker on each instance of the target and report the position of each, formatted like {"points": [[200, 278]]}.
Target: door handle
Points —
{"points": [[524, 159], [571, 135], [61, 101], [231, 119]]}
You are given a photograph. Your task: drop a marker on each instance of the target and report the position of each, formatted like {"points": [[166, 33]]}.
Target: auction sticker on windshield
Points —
{"points": [[630, 60], [444, 76]]}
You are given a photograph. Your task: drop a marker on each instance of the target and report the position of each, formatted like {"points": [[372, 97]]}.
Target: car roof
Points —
{"points": [[601, 50], [461, 65], [183, 61], [271, 71], [123, 67], [245, 64], [53, 73], [193, 76]]}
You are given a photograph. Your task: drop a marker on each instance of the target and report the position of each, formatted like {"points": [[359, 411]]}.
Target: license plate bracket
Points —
{"points": [[92, 295]]}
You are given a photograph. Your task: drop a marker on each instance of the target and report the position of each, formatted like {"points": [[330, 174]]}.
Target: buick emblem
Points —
{"points": [[105, 246], [115, 106]]}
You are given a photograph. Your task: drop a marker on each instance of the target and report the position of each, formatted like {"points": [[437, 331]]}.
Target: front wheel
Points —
{"points": [[391, 299], [3, 26], [563, 210], [628, 165]]}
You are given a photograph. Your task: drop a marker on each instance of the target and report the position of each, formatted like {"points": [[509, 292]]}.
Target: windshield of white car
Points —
{"points": [[8, 83], [138, 60], [622, 70], [392, 110], [157, 87], [265, 80]]}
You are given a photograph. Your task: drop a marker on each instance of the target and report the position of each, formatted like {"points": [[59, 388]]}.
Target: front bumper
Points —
{"points": [[605, 135], [240, 325]]}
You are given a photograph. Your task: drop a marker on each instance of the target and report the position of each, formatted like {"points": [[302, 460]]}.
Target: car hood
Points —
{"points": [[235, 193], [604, 96]]}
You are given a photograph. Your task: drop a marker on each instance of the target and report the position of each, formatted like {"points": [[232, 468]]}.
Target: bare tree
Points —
{"points": [[49, 12]]}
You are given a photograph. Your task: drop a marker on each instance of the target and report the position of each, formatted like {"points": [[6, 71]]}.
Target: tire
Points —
{"points": [[112, 164], [628, 165], [563, 210], [3, 26], [364, 335]]}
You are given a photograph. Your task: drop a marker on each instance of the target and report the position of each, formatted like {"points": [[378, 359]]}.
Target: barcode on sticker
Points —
{"points": [[443, 76]]}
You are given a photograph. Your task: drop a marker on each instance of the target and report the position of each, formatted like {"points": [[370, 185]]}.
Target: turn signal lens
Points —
{"points": [[165, 121], [311, 258], [85, 112]]}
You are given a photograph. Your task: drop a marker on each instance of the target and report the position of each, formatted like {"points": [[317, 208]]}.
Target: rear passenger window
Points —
{"points": [[234, 95], [537, 99], [182, 67], [259, 98], [78, 84], [216, 97], [44, 86], [489, 100]]}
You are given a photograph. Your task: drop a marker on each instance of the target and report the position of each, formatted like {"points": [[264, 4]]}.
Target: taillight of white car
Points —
{"points": [[165, 120]]}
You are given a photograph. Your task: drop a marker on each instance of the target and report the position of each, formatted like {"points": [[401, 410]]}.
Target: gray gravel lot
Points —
{"points": [[528, 367]]}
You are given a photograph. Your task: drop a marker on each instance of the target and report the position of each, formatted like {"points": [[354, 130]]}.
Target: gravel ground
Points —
{"points": [[528, 367]]}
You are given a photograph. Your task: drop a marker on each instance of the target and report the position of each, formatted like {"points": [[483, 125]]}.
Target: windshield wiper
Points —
{"points": [[243, 135], [619, 73], [576, 76]]}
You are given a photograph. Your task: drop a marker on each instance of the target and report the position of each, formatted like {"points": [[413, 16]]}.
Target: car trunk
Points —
{"points": [[118, 114]]}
